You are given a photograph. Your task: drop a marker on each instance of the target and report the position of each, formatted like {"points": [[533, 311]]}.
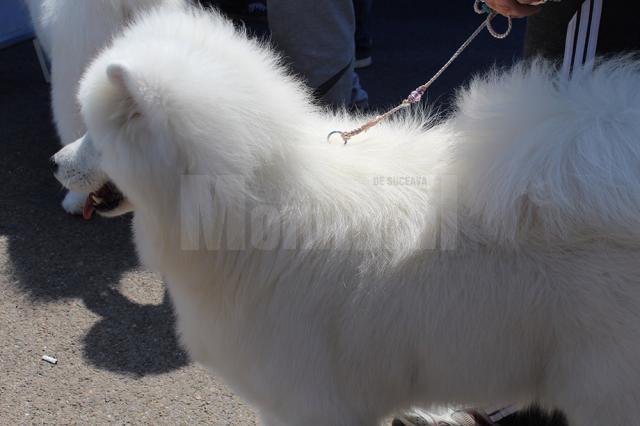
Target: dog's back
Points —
{"points": [[552, 159]]}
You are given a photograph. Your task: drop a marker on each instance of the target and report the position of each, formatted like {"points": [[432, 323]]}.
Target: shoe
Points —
{"points": [[363, 62], [359, 96], [417, 417], [363, 56]]}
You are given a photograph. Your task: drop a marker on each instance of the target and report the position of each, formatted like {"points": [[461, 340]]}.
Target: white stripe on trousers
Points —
{"points": [[582, 38]]}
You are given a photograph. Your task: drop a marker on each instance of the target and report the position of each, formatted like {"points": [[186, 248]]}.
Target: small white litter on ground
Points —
{"points": [[49, 359]]}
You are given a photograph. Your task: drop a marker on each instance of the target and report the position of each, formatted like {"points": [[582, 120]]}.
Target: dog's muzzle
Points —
{"points": [[106, 199]]}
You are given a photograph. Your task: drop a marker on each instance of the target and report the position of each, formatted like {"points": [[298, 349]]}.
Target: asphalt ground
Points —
{"points": [[73, 289]]}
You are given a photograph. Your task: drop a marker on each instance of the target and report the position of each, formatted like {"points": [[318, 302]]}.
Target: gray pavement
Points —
{"points": [[73, 290]]}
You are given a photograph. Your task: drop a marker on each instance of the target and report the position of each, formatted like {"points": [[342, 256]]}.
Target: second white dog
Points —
{"points": [[72, 32], [492, 257]]}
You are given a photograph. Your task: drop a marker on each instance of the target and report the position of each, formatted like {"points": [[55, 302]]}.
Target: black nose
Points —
{"points": [[54, 165]]}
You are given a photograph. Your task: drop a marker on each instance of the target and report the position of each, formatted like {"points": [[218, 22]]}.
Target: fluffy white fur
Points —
{"points": [[72, 32], [40, 23], [511, 274]]}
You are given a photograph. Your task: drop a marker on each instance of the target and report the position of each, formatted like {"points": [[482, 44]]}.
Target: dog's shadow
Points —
{"points": [[52, 255], [143, 344]]}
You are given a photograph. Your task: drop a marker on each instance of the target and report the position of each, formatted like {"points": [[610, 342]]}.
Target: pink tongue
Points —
{"points": [[88, 209]]}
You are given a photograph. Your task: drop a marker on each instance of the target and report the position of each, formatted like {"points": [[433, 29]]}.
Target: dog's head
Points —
{"points": [[180, 92], [129, 151]]}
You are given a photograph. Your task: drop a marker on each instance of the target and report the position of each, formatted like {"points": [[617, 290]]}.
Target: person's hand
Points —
{"points": [[515, 8]]}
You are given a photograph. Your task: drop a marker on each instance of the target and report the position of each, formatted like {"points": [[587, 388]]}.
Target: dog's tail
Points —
{"points": [[552, 158]]}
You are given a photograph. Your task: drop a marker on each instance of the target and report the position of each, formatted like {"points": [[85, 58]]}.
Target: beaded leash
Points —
{"points": [[415, 96]]}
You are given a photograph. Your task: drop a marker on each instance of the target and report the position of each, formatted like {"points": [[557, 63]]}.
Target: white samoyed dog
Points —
{"points": [[489, 257], [71, 33]]}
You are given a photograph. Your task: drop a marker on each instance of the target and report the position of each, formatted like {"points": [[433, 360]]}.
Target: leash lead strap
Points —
{"points": [[416, 95]]}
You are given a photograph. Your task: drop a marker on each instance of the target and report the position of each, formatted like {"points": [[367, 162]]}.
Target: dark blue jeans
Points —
{"points": [[363, 36]]}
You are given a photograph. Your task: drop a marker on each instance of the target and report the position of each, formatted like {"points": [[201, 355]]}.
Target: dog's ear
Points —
{"points": [[130, 87], [141, 109], [119, 75]]}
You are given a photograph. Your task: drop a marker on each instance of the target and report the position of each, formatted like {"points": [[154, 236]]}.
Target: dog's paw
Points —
{"points": [[73, 202]]}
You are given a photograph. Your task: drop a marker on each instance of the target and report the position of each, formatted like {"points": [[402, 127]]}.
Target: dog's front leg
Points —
{"points": [[73, 202]]}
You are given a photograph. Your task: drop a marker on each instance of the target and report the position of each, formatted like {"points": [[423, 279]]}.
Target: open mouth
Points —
{"points": [[105, 199]]}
